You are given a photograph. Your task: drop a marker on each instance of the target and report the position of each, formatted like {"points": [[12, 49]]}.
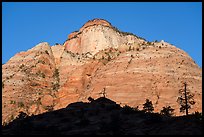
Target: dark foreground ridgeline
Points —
{"points": [[102, 117]]}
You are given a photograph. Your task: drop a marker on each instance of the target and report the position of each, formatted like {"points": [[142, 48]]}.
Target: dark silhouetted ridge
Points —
{"points": [[102, 117]]}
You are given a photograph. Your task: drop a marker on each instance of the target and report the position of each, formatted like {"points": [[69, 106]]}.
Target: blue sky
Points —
{"points": [[24, 25]]}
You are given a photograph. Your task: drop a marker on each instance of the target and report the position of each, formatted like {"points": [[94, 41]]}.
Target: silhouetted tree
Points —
{"points": [[186, 99], [127, 109], [103, 92], [148, 106], [198, 115], [167, 111], [90, 99], [22, 115]]}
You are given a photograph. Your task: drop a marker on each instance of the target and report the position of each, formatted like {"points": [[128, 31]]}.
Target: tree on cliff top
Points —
{"points": [[148, 106], [186, 99]]}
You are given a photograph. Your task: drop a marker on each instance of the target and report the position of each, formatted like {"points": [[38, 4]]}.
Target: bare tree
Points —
{"points": [[103, 92], [186, 99]]}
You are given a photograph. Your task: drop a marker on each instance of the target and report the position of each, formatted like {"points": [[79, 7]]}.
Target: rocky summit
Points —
{"points": [[98, 60]]}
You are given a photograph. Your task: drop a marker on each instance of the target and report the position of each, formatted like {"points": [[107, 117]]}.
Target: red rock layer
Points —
{"points": [[100, 59]]}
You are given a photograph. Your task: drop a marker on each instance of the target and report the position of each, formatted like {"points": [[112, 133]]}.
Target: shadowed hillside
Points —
{"points": [[102, 117]]}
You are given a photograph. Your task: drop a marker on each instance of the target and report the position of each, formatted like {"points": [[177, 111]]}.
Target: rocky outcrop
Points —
{"points": [[97, 35], [95, 22], [95, 61], [27, 77], [57, 51]]}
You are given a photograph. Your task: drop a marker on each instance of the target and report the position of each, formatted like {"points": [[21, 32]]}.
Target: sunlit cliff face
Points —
{"points": [[98, 58]]}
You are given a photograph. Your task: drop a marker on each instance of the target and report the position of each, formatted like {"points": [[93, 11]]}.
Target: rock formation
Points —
{"points": [[98, 58], [97, 35]]}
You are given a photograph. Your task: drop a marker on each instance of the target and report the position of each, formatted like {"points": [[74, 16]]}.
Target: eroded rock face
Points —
{"points": [[27, 77], [95, 60], [97, 35], [47, 100], [152, 73], [57, 51]]}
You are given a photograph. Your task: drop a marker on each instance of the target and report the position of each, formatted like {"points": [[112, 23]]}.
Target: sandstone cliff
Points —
{"points": [[98, 58], [97, 35]]}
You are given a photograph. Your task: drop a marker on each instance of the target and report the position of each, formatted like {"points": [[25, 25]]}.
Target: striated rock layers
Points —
{"points": [[95, 61], [97, 35]]}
